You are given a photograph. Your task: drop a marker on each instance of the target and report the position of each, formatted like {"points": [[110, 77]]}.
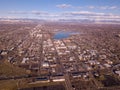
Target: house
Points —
{"points": [[107, 65], [76, 74], [4, 52], [45, 64], [25, 60], [117, 72], [42, 79], [11, 59], [58, 78]]}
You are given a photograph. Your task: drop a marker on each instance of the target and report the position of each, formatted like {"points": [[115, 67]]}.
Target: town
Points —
{"points": [[77, 56]]}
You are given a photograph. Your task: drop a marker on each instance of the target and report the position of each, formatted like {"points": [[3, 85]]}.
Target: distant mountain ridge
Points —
{"points": [[59, 20]]}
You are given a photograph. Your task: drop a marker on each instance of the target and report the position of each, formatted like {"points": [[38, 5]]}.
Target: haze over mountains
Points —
{"points": [[60, 20]]}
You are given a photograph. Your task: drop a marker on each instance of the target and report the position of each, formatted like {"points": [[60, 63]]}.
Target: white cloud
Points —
{"points": [[98, 7], [70, 15], [18, 12], [64, 6], [88, 7], [103, 7], [91, 7], [28, 12], [113, 7], [108, 7], [91, 15], [83, 13]]}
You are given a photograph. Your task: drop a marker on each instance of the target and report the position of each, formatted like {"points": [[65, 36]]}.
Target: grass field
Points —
{"points": [[8, 70], [22, 83]]}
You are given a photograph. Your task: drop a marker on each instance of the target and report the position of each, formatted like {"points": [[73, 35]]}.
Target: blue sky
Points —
{"points": [[61, 9]]}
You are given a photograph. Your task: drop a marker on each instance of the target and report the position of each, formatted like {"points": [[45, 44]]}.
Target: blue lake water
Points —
{"points": [[62, 35]]}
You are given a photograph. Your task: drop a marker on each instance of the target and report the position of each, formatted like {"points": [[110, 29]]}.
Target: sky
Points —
{"points": [[61, 9]]}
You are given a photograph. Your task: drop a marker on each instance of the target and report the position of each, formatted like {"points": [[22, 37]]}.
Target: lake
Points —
{"points": [[62, 35]]}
